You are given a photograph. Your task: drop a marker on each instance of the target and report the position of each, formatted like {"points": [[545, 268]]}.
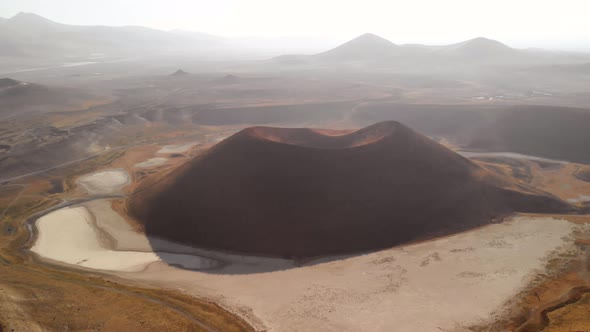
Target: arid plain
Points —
{"points": [[100, 136]]}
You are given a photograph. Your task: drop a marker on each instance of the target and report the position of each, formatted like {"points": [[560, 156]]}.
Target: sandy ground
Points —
{"points": [[579, 199], [121, 235], [561, 182], [447, 284], [513, 155], [14, 317], [151, 163], [177, 148], [571, 318], [71, 236], [104, 182]]}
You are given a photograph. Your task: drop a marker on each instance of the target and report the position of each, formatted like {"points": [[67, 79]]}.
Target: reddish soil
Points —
{"points": [[303, 192]]}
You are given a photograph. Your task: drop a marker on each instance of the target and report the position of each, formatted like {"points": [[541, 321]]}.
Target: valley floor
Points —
{"points": [[471, 281], [460, 281]]}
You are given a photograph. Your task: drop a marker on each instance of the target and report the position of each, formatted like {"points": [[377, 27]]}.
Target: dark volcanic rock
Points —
{"points": [[305, 192]]}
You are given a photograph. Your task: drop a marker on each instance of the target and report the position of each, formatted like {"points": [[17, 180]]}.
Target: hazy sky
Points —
{"points": [[520, 23]]}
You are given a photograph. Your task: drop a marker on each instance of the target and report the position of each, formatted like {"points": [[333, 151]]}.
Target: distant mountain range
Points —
{"points": [[365, 47], [30, 35], [370, 48], [27, 34]]}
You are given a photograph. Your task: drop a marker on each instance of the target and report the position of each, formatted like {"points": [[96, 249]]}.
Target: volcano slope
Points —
{"points": [[304, 192]]}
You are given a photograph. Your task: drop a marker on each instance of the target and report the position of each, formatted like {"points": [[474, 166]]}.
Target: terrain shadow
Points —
{"points": [[227, 263], [236, 263]]}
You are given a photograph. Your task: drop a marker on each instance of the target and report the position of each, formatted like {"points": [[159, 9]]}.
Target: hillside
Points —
{"points": [[8, 82], [28, 34], [479, 48], [552, 132], [17, 98], [367, 47], [372, 49], [543, 131], [306, 192]]}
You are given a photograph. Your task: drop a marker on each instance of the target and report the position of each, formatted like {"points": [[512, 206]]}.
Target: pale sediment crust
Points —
{"points": [[456, 282], [177, 148], [104, 182], [151, 163], [446, 284], [72, 236]]}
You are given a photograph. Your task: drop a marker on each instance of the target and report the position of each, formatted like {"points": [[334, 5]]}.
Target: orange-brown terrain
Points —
{"points": [[556, 300], [302, 192], [113, 141], [36, 296]]}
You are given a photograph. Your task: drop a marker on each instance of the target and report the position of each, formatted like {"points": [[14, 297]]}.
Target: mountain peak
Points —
{"points": [[31, 22], [179, 72], [21, 16], [480, 47], [306, 192], [482, 41], [364, 47], [8, 82], [371, 37]]}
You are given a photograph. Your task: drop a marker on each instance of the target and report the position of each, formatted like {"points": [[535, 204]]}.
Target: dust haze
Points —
{"points": [[318, 176]]}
